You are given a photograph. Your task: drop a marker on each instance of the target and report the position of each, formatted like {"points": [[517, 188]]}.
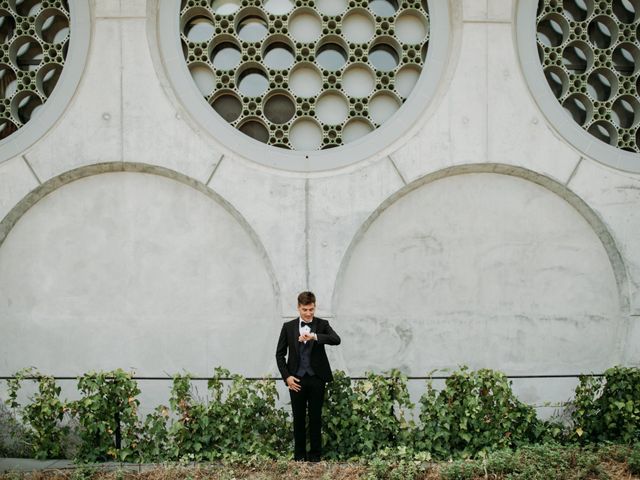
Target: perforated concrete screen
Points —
{"points": [[35, 36], [591, 60], [309, 75]]}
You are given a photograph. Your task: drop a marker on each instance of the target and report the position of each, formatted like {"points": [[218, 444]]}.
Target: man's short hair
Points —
{"points": [[306, 298]]}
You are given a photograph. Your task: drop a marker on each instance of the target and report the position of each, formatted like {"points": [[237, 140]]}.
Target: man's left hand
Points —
{"points": [[306, 337]]}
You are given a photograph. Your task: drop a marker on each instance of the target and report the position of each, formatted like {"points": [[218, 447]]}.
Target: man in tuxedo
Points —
{"points": [[306, 371]]}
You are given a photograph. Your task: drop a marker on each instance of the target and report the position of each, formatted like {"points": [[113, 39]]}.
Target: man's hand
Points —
{"points": [[293, 383], [305, 337]]}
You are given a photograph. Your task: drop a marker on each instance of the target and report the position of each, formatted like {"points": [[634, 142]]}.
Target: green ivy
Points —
{"points": [[241, 418], [43, 415], [108, 416], [475, 412], [366, 416], [608, 407]]}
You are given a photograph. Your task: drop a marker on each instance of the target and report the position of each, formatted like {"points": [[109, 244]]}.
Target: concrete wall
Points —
{"points": [[132, 239]]}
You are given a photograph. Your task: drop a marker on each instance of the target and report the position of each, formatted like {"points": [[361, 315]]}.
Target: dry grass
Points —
{"points": [[613, 469]]}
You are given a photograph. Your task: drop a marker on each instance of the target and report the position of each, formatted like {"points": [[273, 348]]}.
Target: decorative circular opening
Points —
{"points": [[24, 106], [356, 128], [358, 26], [225, 56], [626, 11], [8, 82], [384, 57], [26, 53], [578, 10], [7, 26], [331, 56], [52, 26], [332, 108], [590, 57], [625, 111], [36, 38], [199, 29], [358, 81], [577, 57], [553, 30], [255, 129], [305, 134], [579, 107], [382, 106], [626, 59], [603, 32], [331, 7], [278, 7], [228, 106], [411, 27], [252, 28], [383, 8], [278, 55], [604, 132], [279, 108], [225, 7], [602, 84], [47, 78], [305, 25], [305, 81], [558, 80], [204, 78], [406, 79], [253, 82], [304, 71], [27, 8]]}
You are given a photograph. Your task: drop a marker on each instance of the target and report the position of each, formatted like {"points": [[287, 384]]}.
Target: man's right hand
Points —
{"points": [[293, 383]]}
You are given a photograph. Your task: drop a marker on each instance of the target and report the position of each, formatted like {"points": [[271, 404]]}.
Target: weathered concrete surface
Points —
{"points": [[480, 269], [17, 180], [133, 270]]}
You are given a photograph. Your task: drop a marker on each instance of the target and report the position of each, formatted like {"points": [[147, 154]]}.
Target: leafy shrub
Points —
{"points": [[241, 419], [476, 411], [153, 443], [475, 414], [107, 415], [366, 416], [43, 416], [607, 408]]}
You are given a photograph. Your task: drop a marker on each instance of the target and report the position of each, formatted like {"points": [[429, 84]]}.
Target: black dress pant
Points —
{"points": [[309, 398]]}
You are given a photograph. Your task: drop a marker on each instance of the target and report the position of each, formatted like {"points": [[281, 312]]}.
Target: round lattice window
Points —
{"points": [[306, 76], [590, 58], [35, 46]]}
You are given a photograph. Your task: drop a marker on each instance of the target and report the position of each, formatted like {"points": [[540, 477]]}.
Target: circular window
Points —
{"points": [[305, 77], [581, 59], [44, 49]]}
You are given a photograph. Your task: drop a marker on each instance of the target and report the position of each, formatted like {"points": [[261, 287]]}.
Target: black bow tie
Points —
{"points": [[304, 324]]}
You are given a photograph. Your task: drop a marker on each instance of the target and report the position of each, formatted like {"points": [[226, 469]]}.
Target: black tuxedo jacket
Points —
{"points": [[288, 343]]}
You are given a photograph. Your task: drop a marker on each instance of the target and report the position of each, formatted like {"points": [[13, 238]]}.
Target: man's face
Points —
{"points": [[306, 311]]}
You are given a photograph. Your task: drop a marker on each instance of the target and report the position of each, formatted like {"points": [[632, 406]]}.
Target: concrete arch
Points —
{"points": [[200, 268], [406, 323]]}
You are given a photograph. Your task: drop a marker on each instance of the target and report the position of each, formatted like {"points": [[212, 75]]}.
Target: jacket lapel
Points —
{"points": [[295, 331], [314, 327]]}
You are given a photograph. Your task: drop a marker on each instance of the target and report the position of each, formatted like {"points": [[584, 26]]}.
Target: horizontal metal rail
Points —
{"points": [[431, 377]]}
